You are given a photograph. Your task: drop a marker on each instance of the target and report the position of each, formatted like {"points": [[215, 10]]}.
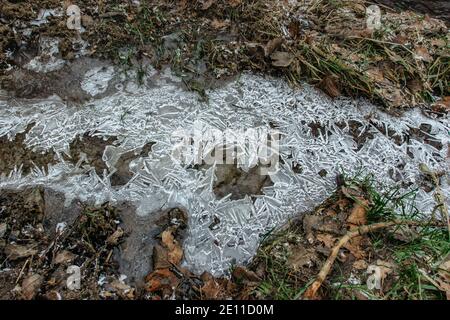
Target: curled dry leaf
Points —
{"points": [[64, 257], [212, 290], [162, 280], [330, 86], [272, 45], [114, 238], [219, 24], [358, 215], [31, 286], [15, 251], [422, 53], [378, 273], [444, 277], [206, 4], [301, 257]]}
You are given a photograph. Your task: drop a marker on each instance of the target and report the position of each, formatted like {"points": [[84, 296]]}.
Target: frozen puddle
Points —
{"points": [[320, 137]]}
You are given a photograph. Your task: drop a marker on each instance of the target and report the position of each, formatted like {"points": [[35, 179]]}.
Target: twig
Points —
{"points": [[311, 292]]}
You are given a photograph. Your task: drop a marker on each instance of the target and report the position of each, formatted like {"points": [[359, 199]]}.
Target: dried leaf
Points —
{"points": [[327, 239], [378, 274], [281, 59], [31, 286], [375, 74], [272, 45], [330, 86], [206, 4], [114, 238], [243, 274], [64, 257], [175, 253], [15, 251], [422, 53], [212, 290], [300, 257], [442, 105], [160, 258], [219, 24], [360, 264], [234, 3], [161, 280], [358, 215]]}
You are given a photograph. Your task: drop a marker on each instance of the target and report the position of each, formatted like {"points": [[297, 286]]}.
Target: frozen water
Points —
{"points": [[317, 134]]}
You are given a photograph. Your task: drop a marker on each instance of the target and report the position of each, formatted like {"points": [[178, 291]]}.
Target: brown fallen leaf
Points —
{"points": [[358, 215], [87, 21], [114, 238], [375, 74], [281, 59], [212, 290], [444, 277], [272, 45], [354, 246], [219, 24], [64, 257], [15, 251], [162, 280], [330, 85], [360, 264], [160, 258], [31, 286], [378, 273], [301, 257], [122, 289], [243, 274], [442, 105], [234, 3], [422, 53], [327, 239], [175, 252], [206, 4]]}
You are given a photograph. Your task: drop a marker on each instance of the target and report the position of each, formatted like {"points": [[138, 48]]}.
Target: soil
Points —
{"points": [[92, 147], [123, 174], [15, 153], [238, 183]]}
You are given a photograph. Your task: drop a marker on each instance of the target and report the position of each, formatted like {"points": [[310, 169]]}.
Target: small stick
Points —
{"points": [[311, 292]]}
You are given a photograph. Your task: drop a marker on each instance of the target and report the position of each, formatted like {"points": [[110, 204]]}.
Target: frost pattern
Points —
{"points": [[317, 136]]}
